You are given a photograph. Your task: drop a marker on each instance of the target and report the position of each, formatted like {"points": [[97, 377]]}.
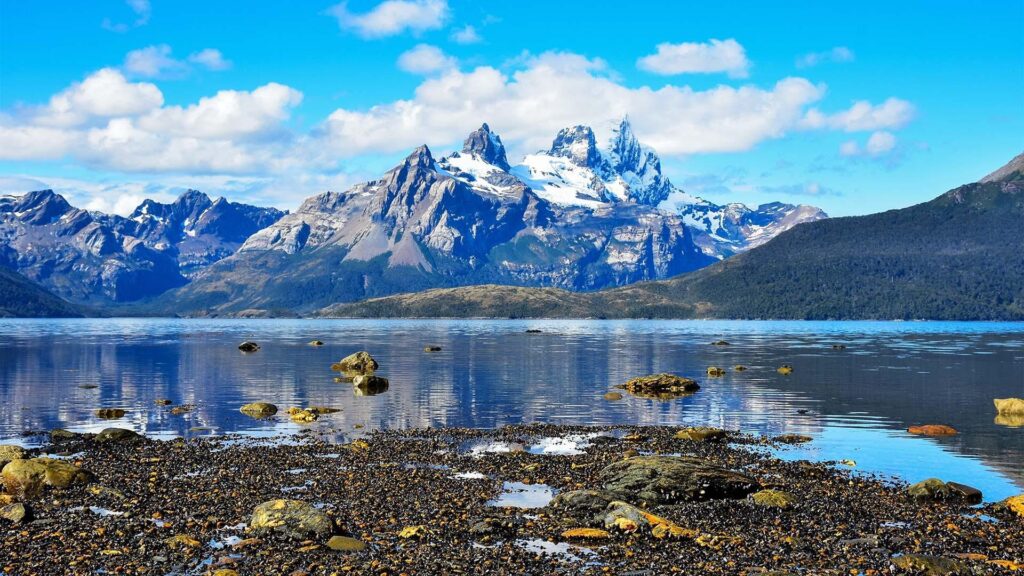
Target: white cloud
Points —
{"points": [[529, 106], [878, 144], [837, 54], [153, 62], [211, 59], [103, 94], [393, 17], [466, 35], [863, 116], [142, 11], [226, 115], [695, 57], [425, 59], [108, 122]]}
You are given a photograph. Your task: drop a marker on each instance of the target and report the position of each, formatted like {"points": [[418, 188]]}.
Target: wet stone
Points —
{"points": [[292, 518], [661, 386], [117, 435], [109, 413], [259, 409], [673, 479], [248, 346]]}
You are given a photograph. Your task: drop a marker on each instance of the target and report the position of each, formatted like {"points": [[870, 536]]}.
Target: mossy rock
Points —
{"points": [[117, 435], [661, 386], [773, 499], [673, 479], [360, 363], [929, 565], [10, 452], [32, 476], [259, 410], [292, 518], [702, 434]]}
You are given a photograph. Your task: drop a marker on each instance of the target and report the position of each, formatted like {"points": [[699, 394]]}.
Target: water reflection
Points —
{"points": [[489, 373]]}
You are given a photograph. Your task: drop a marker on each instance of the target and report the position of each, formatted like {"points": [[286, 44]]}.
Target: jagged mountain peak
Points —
{"points": [[488, 146], [624, 149], [578, 144]]}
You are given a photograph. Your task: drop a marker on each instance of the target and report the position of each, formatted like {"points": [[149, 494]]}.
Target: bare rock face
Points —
{"points": [[673, 479]]}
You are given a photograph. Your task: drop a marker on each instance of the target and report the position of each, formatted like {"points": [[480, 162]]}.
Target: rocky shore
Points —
{"points": [[517, 500]]}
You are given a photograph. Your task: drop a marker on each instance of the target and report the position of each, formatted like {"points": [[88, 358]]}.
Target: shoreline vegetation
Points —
{"points": [[530, 499]]}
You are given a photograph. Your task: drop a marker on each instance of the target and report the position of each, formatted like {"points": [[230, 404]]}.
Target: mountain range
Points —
{"points": [[101, 259], [959, 256], [575, 216]]}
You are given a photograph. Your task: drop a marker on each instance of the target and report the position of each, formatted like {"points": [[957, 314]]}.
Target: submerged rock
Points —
{"points": [[248, 346], [162, 402], [117, 435], [933, 430], [432, 349], [1010, 420], [719, 343], [258, 409], [369, 385], [672, 479], [109, 413], [661, 386], [302, 416], [716, 371], [785, 369], [612, 396], [31, 476], [1009, 406], [739, 368], [793, 438], [316, 343], [292, 518]]}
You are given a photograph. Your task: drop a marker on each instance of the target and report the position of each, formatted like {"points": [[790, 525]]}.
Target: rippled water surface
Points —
{"points": [[857, 402]]}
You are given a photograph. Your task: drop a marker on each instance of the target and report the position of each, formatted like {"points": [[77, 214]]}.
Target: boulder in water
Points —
{"points": [[935, 489], [1009, 406], [432, 349], [661, 386], [248, 346], [785, 370], [259, 410], [292, 518], [360, 363], [109, 413], [933, 430]]}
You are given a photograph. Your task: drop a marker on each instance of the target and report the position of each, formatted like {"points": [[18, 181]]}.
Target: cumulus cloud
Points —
{"points": [[425, 59], [142, 11], [153, 62], [103, 94], [837, 54], [864, 116], [211, 59], [109, 122], [393, 17], [697, 57], [466, 35], [531, 104], [878, 144]]}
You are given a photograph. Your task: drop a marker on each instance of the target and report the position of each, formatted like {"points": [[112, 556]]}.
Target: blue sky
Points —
{"points": [[855, 108]]}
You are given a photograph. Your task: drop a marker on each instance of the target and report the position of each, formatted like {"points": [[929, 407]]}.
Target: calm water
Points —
{"points": [[858, 401]]}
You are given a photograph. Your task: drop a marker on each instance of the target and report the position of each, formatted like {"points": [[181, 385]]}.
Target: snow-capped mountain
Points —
{"points": [[576, 172], [462, 219], [91, 257]]}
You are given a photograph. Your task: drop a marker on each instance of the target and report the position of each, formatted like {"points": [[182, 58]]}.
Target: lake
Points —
{"points": [[856, 402]]}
